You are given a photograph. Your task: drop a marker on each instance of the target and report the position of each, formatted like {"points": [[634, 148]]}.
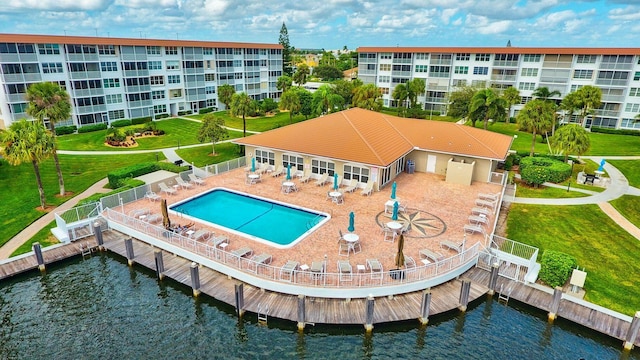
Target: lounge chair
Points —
{"points": [[351, 186], [218, 240], [182, 183], [431, 255], [305, 177], [202, 234], [153, 218], [490, 197], [196, 180], [258, 260], [263, 168], [165, 189], [470, 229], [279, 171], [324, 178], [152, 196], [139, 212], [345, 270], [486, 203], [409, 263], [368, 189], [288, 270], [242, 252], [375, 267], [481, 211], [455, 246]]}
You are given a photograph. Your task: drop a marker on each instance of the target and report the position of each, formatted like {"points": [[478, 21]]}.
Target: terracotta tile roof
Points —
{"points": [[90, 40], [503, 50], [373, 138]]}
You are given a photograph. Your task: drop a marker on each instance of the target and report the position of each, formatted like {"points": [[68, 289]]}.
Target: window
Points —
{"points": [[575, 87], [525, 99], [108, 66], [384, 90], [480, 70], [52, 68], [633, 108], [237, 51], [402, 56], [157, 94], [586, 59], [385, 67], [155, 65], [439, 71], [322, 166], [634, 92], [113, 98], [160, 109], [158, 79], [356, 172], [583, 74], [296, 162], [636, 76], [483, 57], [479, 83], [209, 77], [422, 68], [116, 114], [111, 83], [211, 103], [385, 56], [463, 56], [507, 57], [384, 79], [527, 86], [422, 56], [173, 65], [171, 50], [459, 82], [265, 157], [173, 79], [19, 108], [207, 51], [531, 58], [209, 90], [529, 72], [106, 50], [154, 50], [48, 49], [461, 70]]}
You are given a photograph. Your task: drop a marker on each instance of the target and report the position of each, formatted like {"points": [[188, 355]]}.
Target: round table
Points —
{"points": [[287, 186], [351, 237], [394, 225]]}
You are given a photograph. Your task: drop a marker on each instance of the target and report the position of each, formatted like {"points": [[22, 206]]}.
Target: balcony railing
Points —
{"points": [[612, 82]]}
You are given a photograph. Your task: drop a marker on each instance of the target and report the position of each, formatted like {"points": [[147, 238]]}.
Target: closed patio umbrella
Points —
{"points": [[335, 181], [393, 190], [253, 164], [394, 216], [352, 221], [400, 254], [289, 172], [165, 214]]}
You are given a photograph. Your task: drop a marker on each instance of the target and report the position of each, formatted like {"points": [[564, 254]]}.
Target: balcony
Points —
{"points": [[138, 88], [437, 100], [509, 78], [612, 98], [194, 84], [608, 113], [136, 73], [505, 63], [557, 64], [90, 109], [439, 74], [79, 75], [16, 98], [401, 73], [194, 70], [140, 103], [196, 97], [612, 82], [402, 61], [366, 72], [616, 66]]}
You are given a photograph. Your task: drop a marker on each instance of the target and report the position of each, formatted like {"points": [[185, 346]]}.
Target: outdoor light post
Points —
{"points": [[570, 176]]}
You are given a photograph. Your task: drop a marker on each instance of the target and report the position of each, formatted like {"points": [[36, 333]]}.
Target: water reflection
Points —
{"points": [[421, 334], [367, 345], [301, 345]]}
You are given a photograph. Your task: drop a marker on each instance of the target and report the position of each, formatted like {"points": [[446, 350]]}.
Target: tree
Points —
{"points": [[588, 99], [327, 72], [306, 102], [571, 139], [283, 40], [300, 77], [460, 101], [290, 101], [569, 106], [345, 89], [325, 100], [511, 97], [536, 117], [543, 93], [400, 95], [212, 129], [368, 97], [225, 93], [48, 100], [242, 105], [415, 87], [284, 83], [28, 141], [485, 105]]}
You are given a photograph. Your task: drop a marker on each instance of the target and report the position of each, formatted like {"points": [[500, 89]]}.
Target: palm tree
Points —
{"points": [[415, 87], [511, 96], [225, 93], [326, 100], [400, 95], [485, 105], [300, 77], [290, 101], [284, 83], [571, 139], [28, 141], [537, 117], [242, 105], [48, 100], [368, 97], [588, 99], [543, 93]]}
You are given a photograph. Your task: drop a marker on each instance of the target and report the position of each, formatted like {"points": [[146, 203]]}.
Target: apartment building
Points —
{"points": [[614, 70], [115, 78]]}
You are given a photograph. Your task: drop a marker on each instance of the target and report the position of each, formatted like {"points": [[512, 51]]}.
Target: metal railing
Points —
{"points": [[515, 248], [215, 169], [354, 279]]}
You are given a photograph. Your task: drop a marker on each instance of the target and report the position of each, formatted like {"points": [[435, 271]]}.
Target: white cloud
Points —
{"points": [[629, 13], [53, 5]]}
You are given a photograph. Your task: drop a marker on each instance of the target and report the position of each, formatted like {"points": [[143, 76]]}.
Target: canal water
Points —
{"points": [[101, 308]]}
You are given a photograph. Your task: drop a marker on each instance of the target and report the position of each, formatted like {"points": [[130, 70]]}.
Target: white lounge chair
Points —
{"points": [[278, 171], [486, 203], [305, 177], [218, 240], [183, 184], [152, 196], [345, 270], [139, 212], [409, 263], [153, 218], [490, 197], [196, 180], [165, 189], [263, 168], [258, 260], [375, 267], [368, 189], [470, 229], [455, 246], [202, 234], [431, 255], [351, 186], [242, 252], [324, 178], [288, 270]]}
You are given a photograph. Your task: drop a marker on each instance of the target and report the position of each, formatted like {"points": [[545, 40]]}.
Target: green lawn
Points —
{"points": [[201, 155], [546, 192], [608, 252], [19, 192], [261, 124], [629, 207], [177, 131], [630, 169], [44, 237]]}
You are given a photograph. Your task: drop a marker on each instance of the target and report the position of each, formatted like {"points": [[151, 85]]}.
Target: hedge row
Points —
{"points": [[185, 112], [64, 130], [206, 110], [121, 123], [162, 116], [117, 178], [615, 131], [537, 170], [556, 267], [141, 120], [92, 127]]}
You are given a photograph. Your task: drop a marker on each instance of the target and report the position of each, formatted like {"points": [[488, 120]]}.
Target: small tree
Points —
{"points": [[400, 95], [511, 96], [290, 101], [368, 97], [486, 104], [287, 49], [212, 129], [537, 116], [225, 93], [242, 105], [306, 102], [588, 99], [327, 72], [415, 88], [284, 83], [460, 101], [300, 77], [571, 139]]}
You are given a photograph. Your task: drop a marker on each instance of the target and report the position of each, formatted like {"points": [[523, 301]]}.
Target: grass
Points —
{"points": [[19, 192], [260, 124], [629, 207], [630, 169], [44, 237], [201, 155], [177, 132], [607, 251], [525, 191]]}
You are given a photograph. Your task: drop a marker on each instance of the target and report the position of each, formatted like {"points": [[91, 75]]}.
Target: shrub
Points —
{"points": [[64, 130], [117, 177], [205, 110], [128, 184], [615, 131], [115, 136], [537, 170], [185, 112], [121, 123], [150, 126], [162, 116], [555, 267], [141, 120], [92, 127]]}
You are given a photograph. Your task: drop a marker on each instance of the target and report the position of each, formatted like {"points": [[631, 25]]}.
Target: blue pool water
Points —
{"points": [[264, 220]]}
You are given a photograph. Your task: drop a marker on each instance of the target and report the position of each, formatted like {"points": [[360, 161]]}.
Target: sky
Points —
{"points": [[334, 24]]}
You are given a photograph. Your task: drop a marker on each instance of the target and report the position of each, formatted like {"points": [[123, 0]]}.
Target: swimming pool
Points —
{"points": [[264, 220]]}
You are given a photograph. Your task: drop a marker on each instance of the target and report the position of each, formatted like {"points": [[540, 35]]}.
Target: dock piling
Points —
{"points": [[632, 333], [301, 312], [128, 244], [424, 306], [464, 295], [98, 234], [555, 303], [239, 299], [159, 264], [195, 279], [368, 326], [37, 250], [493, 279]]}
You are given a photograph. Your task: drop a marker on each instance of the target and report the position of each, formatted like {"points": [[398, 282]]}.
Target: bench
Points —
{"points": [[178, 162]]}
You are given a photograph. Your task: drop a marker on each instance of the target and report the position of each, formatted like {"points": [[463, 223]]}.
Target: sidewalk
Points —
{"points": [[27, 233]]}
